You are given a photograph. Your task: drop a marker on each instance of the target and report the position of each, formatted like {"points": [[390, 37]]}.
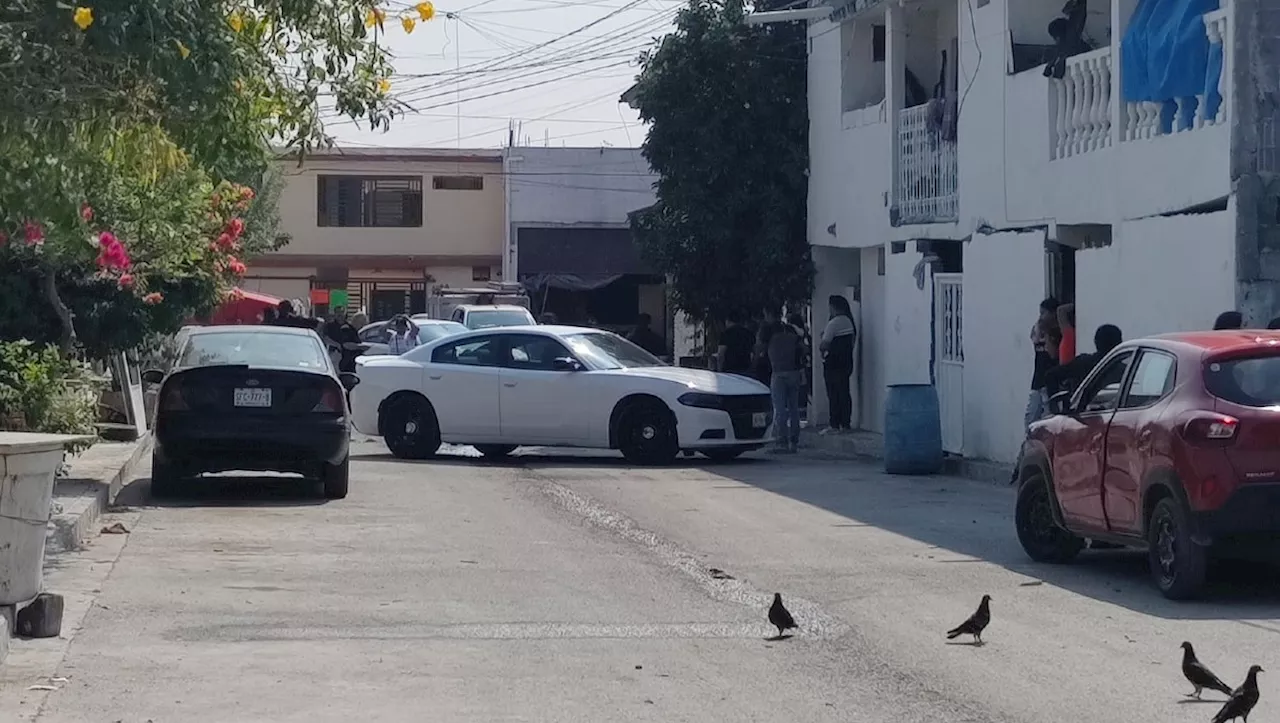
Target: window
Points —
{"points": [[1102, 390], [602, 350], [1251, 382], [538, 353], [480, 273], [367, 202], [255, 348], [375, 334], [457, 183], [477, 352], [877, 43], [1152, 379], [489, 318]]}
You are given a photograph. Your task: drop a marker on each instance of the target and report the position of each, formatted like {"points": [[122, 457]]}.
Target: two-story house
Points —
{"points": [[378, 228], [972, 157]]}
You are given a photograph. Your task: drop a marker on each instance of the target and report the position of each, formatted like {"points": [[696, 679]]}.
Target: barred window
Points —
{"points": [[369, 201]]}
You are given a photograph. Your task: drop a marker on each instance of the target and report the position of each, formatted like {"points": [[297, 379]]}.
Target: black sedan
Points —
{"points": [[251, 398]]}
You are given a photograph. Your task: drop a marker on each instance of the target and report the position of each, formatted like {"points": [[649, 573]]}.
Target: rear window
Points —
{"points": [[498, 317], [1251, 382], [258, 348]]}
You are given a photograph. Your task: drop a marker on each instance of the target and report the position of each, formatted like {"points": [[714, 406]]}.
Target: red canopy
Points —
{"points": [[245, 310]]}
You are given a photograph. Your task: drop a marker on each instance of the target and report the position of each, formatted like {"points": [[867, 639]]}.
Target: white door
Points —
{"points": [[462, 382], [948, 314], [537, 398]]}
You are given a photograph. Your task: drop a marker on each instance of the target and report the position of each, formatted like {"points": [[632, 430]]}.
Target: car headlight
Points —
{"points": [[701, 400]]}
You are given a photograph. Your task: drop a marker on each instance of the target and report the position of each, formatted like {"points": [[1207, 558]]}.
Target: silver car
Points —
{"points": [[375, 335]]}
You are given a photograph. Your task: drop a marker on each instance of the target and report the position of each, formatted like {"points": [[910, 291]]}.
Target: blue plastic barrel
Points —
{"points": [[912, 430]]}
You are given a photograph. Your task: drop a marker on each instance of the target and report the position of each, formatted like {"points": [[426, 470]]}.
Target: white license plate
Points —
{"points": [[252, 397], [760, 420]]}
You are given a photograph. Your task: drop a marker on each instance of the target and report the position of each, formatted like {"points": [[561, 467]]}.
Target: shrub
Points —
{"points": [[41, 391]]}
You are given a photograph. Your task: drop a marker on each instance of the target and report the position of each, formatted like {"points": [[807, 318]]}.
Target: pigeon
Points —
{"points": [[1242, 700], [1200, 676], [976, 623], [779, 617]]}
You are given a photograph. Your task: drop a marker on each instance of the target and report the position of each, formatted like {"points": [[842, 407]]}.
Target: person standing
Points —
{"points": [[402, 335], [1229, 320], [1067, 323], [733, 356], [1046, 326], [806, 366], [836, 345], [646, 338], [785, 353]]}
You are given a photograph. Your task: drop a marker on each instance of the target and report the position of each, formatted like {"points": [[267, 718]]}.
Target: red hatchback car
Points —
{"points": [[1171, 444]]}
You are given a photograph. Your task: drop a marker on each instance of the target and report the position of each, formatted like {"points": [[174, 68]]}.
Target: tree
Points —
{"points": [[135, 142], [729, 142]]}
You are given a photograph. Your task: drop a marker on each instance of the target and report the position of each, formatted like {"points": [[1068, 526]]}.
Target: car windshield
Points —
{"points": [[601, 350], [431, 332], [1252, 382], [490, 318], [255, 348]]}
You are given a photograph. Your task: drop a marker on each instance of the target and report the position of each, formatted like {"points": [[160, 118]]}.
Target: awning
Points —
{"points": [[244, 310], [581, 252]]}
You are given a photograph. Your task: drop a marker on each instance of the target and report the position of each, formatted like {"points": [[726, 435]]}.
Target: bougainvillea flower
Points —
{"points": [[235, 227], [33, 233], [236, 266], [126, 281], [155, 297], [86, 213], [111, 253]]}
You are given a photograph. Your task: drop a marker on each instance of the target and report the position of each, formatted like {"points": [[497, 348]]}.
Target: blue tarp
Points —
{"points": [[1166, 56]]}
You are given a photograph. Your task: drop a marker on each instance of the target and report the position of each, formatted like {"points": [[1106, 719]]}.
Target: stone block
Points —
{"points": [[4, 639], [8, 616], [42, 618]]}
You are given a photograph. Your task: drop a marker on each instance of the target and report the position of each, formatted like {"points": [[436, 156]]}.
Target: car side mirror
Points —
{"points": [[152, 376], [348, 380], [1060, 403], [565, 364]]}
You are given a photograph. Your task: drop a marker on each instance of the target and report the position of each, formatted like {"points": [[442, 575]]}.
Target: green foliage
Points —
{"points": [[729, 141], [40, 390]]}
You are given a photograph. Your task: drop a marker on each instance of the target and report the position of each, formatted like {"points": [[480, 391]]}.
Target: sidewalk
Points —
{"points": [[869, 446]]}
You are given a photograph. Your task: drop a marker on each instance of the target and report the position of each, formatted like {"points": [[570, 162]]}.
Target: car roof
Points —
{"points": [[492, 307], [1227, 341], [250, 328]]}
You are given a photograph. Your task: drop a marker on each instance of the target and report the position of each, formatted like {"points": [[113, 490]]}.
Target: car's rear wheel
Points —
{"points": [[722, 455], [410, 428], [647, 433], [335, 478], [495, 450], [1178, 564], [164, 478], [1040, 535]]}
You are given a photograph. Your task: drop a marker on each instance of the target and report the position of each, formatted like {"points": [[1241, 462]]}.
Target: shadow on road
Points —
{"points": [[228, 491], [548, 457]]}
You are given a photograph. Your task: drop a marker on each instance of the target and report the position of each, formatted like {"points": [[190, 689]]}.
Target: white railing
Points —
{"points": [[927, 171], [1081, 108], [1148, 119]]}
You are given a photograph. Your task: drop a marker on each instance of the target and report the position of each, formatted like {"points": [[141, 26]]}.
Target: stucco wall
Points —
{"points": [[578, 186], [1003, 287], [873, 358], [1159, 275], [907, 321]]}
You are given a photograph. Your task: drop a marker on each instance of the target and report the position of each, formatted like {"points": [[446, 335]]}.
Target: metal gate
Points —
{"points": [[948, 325]]}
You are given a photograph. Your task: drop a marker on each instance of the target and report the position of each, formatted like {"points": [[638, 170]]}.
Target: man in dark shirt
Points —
{"points": [[286, 315], [1068, 376], [646, 338], [736, 344]]}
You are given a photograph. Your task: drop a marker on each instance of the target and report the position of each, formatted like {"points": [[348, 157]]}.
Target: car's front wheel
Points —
{"points": [[335, 478], [1041, 537], [410, 428], [1178, 564], [495, 451], [647, 433]]}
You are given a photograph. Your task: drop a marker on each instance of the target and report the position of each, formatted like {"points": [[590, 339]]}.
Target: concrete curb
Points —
{"points": [[84, 501]]}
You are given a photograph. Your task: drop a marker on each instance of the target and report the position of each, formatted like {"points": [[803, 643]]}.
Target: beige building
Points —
{"points": [[385, 226]]}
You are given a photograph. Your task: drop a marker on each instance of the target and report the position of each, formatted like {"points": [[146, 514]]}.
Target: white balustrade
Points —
{"points": [[1081, 109], [927, 170], [1143, 119]]}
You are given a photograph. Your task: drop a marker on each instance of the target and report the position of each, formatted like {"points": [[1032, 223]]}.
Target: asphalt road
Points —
{"points": [[575, 588]]}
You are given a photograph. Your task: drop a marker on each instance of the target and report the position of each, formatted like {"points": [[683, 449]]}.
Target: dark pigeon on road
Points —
{"points": [[780, 617], [976, 623], [1242, 700], [1200, 676]]}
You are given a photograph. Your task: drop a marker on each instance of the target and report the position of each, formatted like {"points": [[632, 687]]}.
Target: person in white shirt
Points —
{"points": [[402, 335]]}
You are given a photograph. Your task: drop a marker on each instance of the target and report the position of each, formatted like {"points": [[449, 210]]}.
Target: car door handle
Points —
{"points": [[434, 377], [508, 384]]}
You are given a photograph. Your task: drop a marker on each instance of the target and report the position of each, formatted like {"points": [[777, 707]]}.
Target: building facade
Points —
{"points": [[967, 163], [376, 229]]}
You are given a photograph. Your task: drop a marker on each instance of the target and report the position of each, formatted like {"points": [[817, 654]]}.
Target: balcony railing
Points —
{"points": [[927, 171], [1081, 110], [1081, 102]]}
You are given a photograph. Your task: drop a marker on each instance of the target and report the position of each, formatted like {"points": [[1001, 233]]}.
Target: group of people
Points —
{"points": [[777, 354], [341, 332]]}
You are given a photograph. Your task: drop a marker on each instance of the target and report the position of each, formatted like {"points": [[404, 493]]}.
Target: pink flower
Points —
{"points": [[246, 193], [225, 241], [86, 213], [126, 280], [236, 266], [155, 297], [111, 253], [235, 227], [33, 232], [4, 238]]}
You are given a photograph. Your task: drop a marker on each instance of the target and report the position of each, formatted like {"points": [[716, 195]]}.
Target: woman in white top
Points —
{"points": [[402, 335], [837, 362]]}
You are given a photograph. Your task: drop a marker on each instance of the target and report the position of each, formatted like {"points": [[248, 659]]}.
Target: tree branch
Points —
{"points": [[67, 337]]}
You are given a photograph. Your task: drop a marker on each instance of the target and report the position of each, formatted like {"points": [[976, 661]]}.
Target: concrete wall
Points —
{"points": [[577, 186], [1159, 275], [908, 320], [873, 358]]}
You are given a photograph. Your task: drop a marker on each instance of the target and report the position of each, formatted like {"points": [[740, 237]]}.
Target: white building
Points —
{"points": [[949, 220]]}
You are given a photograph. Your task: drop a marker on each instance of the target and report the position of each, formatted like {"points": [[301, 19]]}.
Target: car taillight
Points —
{"points": [[1210, 428], [173, 401], [330, 401]]}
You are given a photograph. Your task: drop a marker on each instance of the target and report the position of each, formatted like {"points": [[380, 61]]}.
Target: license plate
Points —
{"points": [[252, 397], [759, 420]]}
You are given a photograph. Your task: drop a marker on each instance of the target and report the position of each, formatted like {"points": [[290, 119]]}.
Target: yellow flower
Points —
{"points": [[236, 21], [374, 17], [408, 22], [183, 50], [384, 86], [83, 18], [426, 10]]}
